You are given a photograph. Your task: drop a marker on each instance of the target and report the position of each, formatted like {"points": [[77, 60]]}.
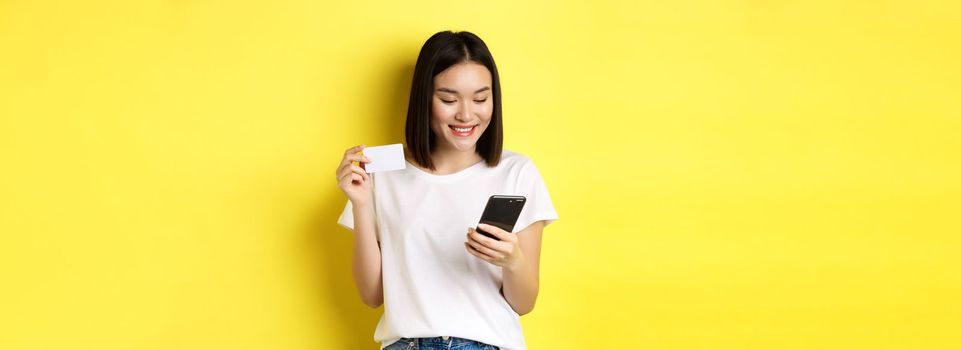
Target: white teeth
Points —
{"points": [[462, 130]]}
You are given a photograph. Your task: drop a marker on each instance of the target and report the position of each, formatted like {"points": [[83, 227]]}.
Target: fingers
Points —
{"points": [[350, 156], [348, 162], [354, 173], [484, 241], [474, 252], [480, 248], [496, 232], [355, 169], [474, 235], [354, 149], [348, 159], [351, 180]]}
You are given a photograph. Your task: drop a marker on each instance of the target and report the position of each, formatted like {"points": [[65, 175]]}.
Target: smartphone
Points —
{"points": [[502, 212]]}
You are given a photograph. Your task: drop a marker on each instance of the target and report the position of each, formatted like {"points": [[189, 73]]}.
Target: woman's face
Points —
{"points": [[462, 105]]}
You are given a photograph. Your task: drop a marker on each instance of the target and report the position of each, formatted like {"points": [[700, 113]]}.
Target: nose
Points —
{"points": [[464, 112]]}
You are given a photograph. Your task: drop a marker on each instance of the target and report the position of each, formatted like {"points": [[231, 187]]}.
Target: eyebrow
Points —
{"points": [[443, 89]]}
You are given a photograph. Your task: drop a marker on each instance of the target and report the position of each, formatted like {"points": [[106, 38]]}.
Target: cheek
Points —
{"points": [[484, 111], [440, 115], [442, 112]]}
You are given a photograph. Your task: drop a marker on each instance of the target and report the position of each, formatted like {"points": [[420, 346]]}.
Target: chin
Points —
{"points": [[461, 146]]}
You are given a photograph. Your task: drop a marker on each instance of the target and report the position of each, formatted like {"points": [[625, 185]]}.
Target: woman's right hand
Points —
{"points": [[352, 179]]}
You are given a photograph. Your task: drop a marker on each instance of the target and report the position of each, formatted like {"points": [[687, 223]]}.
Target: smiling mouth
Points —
{"points": [[462, 131]]}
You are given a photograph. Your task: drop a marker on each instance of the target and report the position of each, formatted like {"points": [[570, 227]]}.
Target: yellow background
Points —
{"points": [[728, 174]]}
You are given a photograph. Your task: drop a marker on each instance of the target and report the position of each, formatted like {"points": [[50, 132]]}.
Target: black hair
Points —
{"points": [[442, 50]]}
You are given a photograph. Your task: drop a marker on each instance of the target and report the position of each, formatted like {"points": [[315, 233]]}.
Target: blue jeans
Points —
{"points": [[437, 343]]}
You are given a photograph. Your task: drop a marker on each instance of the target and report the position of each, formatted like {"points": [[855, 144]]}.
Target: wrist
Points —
{"points": [[516, 265], [362, 209]]}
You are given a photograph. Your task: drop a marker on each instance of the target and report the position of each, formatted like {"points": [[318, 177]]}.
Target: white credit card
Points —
{"points": [[385, 158]]}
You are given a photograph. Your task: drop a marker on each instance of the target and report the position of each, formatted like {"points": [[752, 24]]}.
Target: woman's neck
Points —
{"points": [[449, 161]]}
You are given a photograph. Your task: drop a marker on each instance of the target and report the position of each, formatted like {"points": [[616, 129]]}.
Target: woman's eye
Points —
{"points": [[446, 101], [481, 101]]}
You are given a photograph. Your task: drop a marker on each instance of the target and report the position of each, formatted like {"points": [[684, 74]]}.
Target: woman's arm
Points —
{"points": [[358, 186], [519, 257], [521, 282], [367, 258]]}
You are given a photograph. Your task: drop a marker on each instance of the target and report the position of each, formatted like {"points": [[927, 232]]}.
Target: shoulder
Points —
{"points": [[512, 159], [518, 164], [515, 158]]}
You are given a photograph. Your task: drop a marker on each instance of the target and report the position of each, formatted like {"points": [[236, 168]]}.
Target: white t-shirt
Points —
{"points": [[432, 285]]}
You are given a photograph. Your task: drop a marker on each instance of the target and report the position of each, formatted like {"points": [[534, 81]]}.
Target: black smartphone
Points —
{"points": [[502, 212]]}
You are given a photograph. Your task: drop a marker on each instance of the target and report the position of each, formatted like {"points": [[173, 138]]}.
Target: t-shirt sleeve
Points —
{"points": [[539, 206], [347, 217]]}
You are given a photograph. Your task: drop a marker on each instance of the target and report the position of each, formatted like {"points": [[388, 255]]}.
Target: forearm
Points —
{"points": [[520, 287], [367, 258]]}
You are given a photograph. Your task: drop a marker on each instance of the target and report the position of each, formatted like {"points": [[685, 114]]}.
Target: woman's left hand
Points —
{"points": [[505, 253]]}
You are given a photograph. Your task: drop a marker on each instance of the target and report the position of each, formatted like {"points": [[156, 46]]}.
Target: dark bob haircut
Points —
{"points": [[442, 50]]}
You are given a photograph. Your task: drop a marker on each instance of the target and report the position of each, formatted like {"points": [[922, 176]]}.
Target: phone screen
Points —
{"points": [[502, 212]]}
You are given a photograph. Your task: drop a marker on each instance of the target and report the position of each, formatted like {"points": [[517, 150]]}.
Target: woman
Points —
{"points": [[443, 284]]}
